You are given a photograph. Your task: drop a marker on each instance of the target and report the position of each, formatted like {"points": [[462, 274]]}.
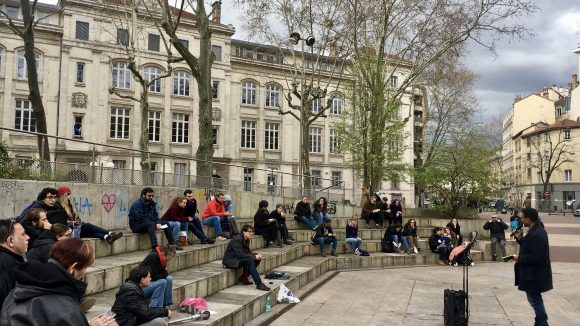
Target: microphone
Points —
{"points": [[516, 230]]}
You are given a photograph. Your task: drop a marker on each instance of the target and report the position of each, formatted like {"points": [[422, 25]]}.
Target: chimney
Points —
{"points": [[574, 82], [216, 12]]}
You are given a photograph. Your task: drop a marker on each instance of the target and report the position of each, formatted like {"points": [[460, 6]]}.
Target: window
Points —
{"points": [[215, 87], [22, 71], [334, 141], [1, 57], [78, 126], [315, 106], [180, 171], [567, 134], [272, 180], [260, 55], [214, 135], [122, 36], [121, 75], [315, 138], [568, 175], [336, 107], [394, 81], [12, 11], [152, 168], [185, 43], [395, 185], [43, 17], [248, 179], [180, 128], [248, 134], [82, 31], [23, 119], [154, 125], [336, 178], [248, 93], [272, 134], [315, 178], [249, 54], [118, 175], [153, 44], [546, 137], [217, 51], [81, 73], [181, 83], [119, 123], [273, 96], [150, 73]]}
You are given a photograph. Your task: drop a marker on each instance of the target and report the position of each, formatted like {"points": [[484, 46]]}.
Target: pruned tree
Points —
{"points": [[25, 30], [551, 148], [129, 16]]}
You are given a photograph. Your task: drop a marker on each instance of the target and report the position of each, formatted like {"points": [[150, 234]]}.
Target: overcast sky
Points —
{"points": [[518, 68]]}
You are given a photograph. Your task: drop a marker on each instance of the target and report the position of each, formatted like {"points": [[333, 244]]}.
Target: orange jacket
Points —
{"points": [[213, 209]]}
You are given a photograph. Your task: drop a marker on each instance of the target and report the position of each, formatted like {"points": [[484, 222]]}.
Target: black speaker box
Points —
{"points": [[454, 308]]}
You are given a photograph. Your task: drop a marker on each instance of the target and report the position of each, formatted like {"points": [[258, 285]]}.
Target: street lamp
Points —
{"points": [[272, 181]]}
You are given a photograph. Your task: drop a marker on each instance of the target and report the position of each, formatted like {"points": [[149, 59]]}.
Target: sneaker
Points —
{"points": [[220, 238], [287, 243], [291, 239], [357, 252], [322, 254], [377, 226], [210, 241], [415, 250], [113, 236], [333, 253], [87, 304], [262, 287], [442, 263]]}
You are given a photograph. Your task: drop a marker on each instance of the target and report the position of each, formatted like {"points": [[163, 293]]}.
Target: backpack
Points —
{"points": [[386, 246], [20, 217]]}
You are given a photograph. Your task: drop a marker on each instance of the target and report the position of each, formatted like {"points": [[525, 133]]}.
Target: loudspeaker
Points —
{"points": [[454, 308]]}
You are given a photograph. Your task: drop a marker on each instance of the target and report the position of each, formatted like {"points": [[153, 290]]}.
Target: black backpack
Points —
{"points": [[386, 246]]}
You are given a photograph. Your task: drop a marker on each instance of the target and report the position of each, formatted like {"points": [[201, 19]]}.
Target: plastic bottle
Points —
{"points": [[268, 304]]}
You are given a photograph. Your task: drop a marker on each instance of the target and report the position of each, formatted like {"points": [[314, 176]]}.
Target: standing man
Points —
{"points": [[528, 202], [533, 271], [13, 246], [194, 223], [144, 218], [496, 229], [214, 214]]}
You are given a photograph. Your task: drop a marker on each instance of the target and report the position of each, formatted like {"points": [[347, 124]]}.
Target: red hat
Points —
{"points": [[63, 190]]}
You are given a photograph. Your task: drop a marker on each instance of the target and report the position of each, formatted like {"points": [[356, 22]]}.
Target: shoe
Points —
{"points": [[210, 241], [291, 239], [279, 244], [220, 238], [245, 279], [262, 287], [87, 304], [357, 252], [322, 254], [287, 242], [494, 258], [441, 263], [415, 250], [267, 245], [113, 236], [377, 226], [333, 253], [178, 247]]}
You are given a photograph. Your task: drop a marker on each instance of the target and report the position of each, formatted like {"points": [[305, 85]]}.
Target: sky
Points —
{"points": [[517, 67]]}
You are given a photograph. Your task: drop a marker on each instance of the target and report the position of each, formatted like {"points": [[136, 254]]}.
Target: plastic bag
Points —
{"points": [[193, 305], [286, 296]]}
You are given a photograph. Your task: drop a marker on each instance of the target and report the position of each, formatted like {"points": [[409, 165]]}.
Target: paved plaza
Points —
{"points": [[414, 296]]}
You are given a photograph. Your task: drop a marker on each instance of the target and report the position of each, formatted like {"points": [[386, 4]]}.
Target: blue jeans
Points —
{"points": [[89, 230], [326, 240], [174, 226], [355, 243], [537, 303], [215, 221], [195, 227], [160, 292], [396, 239], [306, 220], [319, 218]]}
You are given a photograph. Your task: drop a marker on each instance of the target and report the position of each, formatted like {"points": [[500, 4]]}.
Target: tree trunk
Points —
{"points": [[144, 138], [305, 148], [34, 90], [205, 149]]}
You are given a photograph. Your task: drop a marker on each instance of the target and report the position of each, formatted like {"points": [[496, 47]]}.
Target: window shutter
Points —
{"points": [[82, 31]]}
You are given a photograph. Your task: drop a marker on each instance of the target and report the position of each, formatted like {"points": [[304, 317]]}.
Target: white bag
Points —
{"points": [[286, 296]]}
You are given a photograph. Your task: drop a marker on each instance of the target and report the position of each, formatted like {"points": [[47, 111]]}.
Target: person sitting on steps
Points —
{"points": [[215, 214], [320, 210], [160, 290], [394, 234], [266, 226], [410, 232], [194, 223], [303, 213], [372, 210], [352, 235], [325, 235], [238, 254], [278, 215]]}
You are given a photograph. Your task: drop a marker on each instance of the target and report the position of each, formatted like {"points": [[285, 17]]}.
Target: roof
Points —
{"points": [[564, 124], [174, 10]]}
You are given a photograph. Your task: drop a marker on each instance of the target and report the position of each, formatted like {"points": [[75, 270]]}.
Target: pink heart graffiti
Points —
{"points": [[108, 202]]}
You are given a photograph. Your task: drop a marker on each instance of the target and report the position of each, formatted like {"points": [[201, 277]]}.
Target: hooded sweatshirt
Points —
{"points": [[40, 251]]}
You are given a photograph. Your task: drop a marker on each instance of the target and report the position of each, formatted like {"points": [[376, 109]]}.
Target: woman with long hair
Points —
{"points": [[265, 225], [320, 210], [410, 232], [177, 213]]}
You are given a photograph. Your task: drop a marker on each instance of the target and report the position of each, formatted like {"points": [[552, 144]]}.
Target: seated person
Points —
{"points": [[372, 210], [266, 226], [35, 223], [325, 235], [320, 211], [303, 213], [394, 234], [144, 218], [455, 229], [229, 207], [410, 233], [352, 235], [278, 215], [130, 307], [194, 223], [215, 214], [434, 239], [238, 255], [41, 249], [160, 290], [176, 214], [47, 200], [446, 243], [87, 230]]}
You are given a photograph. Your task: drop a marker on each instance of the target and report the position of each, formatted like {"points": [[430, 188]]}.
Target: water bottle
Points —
{"points": [[268, 305]]}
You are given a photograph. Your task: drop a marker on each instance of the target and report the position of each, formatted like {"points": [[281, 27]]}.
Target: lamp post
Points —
{"points": [[309, 41], [272, 181]]}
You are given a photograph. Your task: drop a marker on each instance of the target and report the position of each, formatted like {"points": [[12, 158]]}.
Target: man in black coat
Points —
{"points": [[238, 255], [533, 271], [13, 245], [303, 213], [496, 229], [46, 200]]}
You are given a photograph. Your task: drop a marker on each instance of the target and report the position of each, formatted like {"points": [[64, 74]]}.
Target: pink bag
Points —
{"points": [[193, 305]]}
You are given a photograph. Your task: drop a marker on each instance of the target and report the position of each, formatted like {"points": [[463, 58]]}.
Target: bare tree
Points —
{"points": [[551, 149], [25, 30]]}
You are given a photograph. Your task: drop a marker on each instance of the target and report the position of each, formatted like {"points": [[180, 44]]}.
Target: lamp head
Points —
{"points": [[294, 38], [310, 40]]}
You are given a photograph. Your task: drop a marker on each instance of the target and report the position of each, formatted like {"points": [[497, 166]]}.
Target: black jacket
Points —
{"points": [[54, 214], [456, 230], [131, 308], [41, 250], [434, 242], [533, 271], [45, 294], [351, 231], [237, 249], [33, 233], [496, 229], [302, 209], [191, 208], [261, 219], [8, 262], [322, 232], [278, 217], [409, 231], [155, 267]]}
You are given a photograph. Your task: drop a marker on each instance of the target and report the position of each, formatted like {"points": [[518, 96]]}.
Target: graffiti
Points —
{"points": [[121, 206], [83, 205], [10, 185], [157, 200], [332, 207], [289, 208], [108, 202]]}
